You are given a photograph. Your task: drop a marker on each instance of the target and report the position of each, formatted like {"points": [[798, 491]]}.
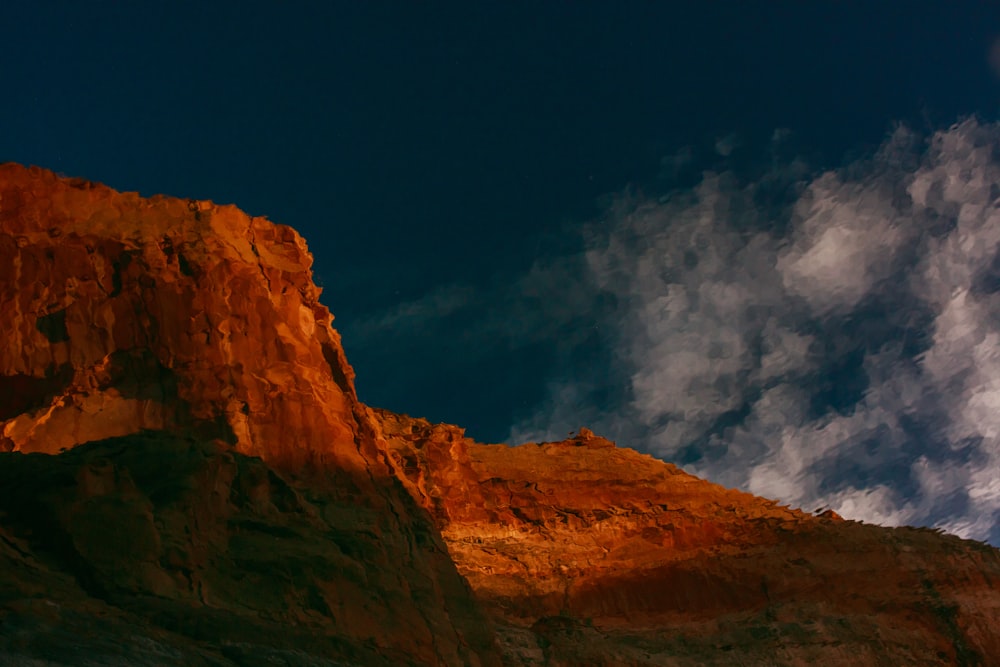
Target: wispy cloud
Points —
{"points": [[546, 302], [830, 340], [838, 347]]}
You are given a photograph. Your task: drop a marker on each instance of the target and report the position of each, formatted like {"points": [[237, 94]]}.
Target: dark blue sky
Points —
{"points": [[422, 145]]}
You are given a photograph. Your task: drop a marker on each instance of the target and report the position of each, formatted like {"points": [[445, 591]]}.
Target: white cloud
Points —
{"points": [[782, 351], [415, 315], [878, 504], [840, 349]]}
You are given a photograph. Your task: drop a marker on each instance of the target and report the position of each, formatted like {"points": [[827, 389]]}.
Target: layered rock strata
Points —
{"points": [[588, 553]]}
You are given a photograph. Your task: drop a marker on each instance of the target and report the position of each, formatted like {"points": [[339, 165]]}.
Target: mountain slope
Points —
{"points": [[587, 553], [123, 316], [159, 549], [187, 477]]}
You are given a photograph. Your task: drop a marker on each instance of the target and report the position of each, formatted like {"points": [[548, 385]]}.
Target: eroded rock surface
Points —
{"points": [[125, 316], [587, 553], [187, 477], [123, 313]]}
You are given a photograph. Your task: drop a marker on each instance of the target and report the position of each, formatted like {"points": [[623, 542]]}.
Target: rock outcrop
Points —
{"points": [[123, 313], [124, 316], [158, 549], [188, 477], [587, 553]]}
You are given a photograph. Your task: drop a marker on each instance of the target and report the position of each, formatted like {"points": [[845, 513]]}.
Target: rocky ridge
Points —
{"points": [[188, 477], [588, 553]]}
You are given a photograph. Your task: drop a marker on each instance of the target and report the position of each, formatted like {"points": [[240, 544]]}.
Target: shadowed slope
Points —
{"points": [[157, 549], [125, 315]]}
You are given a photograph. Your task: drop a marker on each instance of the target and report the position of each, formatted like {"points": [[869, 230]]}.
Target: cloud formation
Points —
{"points": [[830, 340], [833, 345]]}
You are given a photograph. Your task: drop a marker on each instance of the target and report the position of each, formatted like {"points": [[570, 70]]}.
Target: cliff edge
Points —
{"points": [[586, 553], [188, 477], [270, 500]]}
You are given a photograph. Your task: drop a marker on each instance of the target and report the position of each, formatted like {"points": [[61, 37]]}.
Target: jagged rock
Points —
{"points": [[123, 313], [599, 555], [124, 316], [222, 497]]}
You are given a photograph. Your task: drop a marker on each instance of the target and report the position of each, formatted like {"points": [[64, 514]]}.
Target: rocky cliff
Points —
{"points": [[590, 554], [130, 321], [188, 477]]}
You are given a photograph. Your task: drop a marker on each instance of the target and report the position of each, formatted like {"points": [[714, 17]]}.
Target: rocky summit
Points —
{"points": [[187, 477]]}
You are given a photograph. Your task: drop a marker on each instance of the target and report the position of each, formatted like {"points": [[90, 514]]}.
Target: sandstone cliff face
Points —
{"points": [[156, 549], [591, 554], [188, 477], [124, 315]]}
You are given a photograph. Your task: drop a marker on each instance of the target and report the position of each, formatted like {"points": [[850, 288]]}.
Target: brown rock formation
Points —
{"points": [[124, 315], [586, 553], [223, 498]]}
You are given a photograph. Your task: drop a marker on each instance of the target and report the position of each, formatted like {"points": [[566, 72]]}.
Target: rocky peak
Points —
{"points": [[124, 313], [131, 320], [218, 471]]}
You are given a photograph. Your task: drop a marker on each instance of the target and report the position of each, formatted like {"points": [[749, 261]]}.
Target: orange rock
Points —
{"points": [[219, 466], [605, 556], [124, 315]]}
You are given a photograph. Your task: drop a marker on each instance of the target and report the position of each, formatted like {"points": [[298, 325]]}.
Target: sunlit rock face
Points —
{"points": [[123, 313], [587, 553], [124, 316], [188, 477]]}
